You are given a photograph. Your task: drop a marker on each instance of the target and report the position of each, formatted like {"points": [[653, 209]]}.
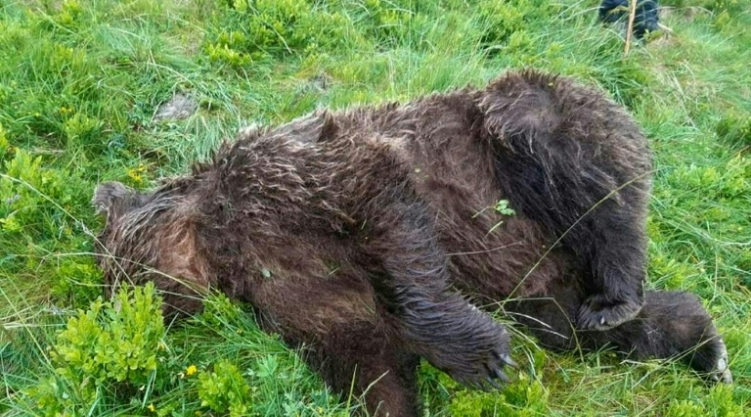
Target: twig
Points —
{"points": [[630, 29], [665, 28]]}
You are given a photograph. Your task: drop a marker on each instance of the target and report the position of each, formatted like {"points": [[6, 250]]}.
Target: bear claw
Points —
{"points": [[483, 369], [721, 372], [597, 314], [508, 361]]}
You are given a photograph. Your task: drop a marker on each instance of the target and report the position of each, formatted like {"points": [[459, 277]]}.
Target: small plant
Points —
{"points": [[257, 30], [110, 350], [23, 188], [4, 144], [502, 207], [683, 408], [224, 390], [83, 132], [524, 398], [505, 23], [735, 129]]}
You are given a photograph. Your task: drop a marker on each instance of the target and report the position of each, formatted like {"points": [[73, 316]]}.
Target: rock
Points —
{"points": [[180, 106]]}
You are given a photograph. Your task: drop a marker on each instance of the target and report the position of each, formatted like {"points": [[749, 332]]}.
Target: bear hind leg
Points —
{"points": [[578, 165], [671, 325]]}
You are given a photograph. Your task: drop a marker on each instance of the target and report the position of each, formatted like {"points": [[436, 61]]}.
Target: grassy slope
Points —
{"points": [[79, 82]]}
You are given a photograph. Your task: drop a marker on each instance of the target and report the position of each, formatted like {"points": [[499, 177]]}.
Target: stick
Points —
{"points": [[630, 29], [665, 28]]}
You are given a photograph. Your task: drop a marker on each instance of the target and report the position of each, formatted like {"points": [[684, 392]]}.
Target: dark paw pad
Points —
{"points": [[596, 313]]}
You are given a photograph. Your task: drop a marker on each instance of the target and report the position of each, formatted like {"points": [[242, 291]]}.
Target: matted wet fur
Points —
{"points": [[370, 234]]}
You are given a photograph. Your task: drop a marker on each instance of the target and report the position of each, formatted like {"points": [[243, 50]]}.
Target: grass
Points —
{"points": [[80, 81]]}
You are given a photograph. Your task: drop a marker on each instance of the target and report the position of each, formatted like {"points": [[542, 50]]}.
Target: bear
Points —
{"points": [[377, 236]]}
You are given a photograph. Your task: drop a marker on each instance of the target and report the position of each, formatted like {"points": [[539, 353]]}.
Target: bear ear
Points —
{"points": [[250, 133], [317, 127], [111, 198], [328, 127]]}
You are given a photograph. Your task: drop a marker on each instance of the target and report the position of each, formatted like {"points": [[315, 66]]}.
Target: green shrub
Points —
{"points": [[250, 30], [76, 280], [30, 191], [40, 209], [683, 408], [505, 23], [224, 390], [722, 182], [111, 350], [525, 398], [388, 23], [734, 129], [4, 144]]}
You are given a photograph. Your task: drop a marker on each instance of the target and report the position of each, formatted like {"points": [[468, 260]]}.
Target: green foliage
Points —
{"points": [[525, 398], [82, 131], [728, 181], [502, 207], [505, 23], [27, 190], [683, 408], [389, 23], [735, 130], [4, 144], [113, 347], [224, 390], [77, 281], [127, 336], [220, 311], [253, 30], [727, 6], [718, 403], [37, 206]]}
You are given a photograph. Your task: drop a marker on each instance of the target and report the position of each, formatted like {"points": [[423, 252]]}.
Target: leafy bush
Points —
{"points": [[250, 30], [224, 389], [111, 350], [525, 398], [683, 408], [505, 23], [38, 203], [4, 144], [27, 190], [735, 129]]}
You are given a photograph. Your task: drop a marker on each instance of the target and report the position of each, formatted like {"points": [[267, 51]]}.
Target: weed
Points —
{"points": [[110, 350]]}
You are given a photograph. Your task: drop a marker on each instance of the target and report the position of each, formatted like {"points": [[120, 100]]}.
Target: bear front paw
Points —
{"points": [[599, 313], [479, 363], [711, 360]]}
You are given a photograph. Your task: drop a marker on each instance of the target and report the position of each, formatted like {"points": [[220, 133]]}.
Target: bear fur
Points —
{"points": [[370, 236]]}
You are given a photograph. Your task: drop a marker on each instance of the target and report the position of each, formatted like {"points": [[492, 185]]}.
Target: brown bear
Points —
{"points": [[370, 235]]}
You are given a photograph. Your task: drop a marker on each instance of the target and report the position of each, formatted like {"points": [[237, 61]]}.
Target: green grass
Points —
{"points": [[80, 81]]}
